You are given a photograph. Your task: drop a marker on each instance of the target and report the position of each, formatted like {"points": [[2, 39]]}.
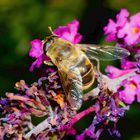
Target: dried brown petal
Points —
{"points": [[21, 85]]}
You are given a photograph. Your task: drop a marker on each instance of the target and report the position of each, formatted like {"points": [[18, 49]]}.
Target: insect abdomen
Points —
{"points": [[88, 78], [87, 72]]}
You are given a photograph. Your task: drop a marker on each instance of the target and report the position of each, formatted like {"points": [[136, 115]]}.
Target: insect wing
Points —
{"points": [[105, 53], [72, 85]]}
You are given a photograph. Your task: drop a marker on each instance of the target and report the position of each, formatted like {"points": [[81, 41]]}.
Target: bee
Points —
{"points": [[74, 64]]}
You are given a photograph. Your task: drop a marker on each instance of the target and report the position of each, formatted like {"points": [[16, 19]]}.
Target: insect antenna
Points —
{"points": [[50, 29], [52, 33]]}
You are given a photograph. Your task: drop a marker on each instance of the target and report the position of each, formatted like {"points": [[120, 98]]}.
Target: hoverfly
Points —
{"points": [[74, 64]]}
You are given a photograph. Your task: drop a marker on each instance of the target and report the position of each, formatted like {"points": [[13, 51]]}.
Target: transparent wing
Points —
{"points": [[72, 85], [105, 53]]}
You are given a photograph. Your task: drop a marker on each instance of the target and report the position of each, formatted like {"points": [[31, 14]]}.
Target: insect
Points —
{"points": [[74, 63]]}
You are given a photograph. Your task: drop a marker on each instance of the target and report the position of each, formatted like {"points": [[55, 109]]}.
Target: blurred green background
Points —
{"points": [[22, 21]]}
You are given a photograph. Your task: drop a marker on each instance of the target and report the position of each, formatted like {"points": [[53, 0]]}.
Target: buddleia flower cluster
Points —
{"points": [[46, 99], [125, 32]]}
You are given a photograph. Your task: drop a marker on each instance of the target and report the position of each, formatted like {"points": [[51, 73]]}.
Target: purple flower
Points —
{"points": [[80, 137], [126, 30], [114, 72], [36, 48], [126, 64], [69, 32], [71, 131], [131, 31], [131, 89], [112, 28], [36, 63], [36, 51]]}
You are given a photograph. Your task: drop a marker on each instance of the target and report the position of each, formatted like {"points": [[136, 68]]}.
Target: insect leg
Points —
{"points": [[49, 63], [98, 63]]}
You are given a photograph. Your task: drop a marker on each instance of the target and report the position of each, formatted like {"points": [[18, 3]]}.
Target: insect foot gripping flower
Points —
{"points": [[57, 95], [69, 32]]}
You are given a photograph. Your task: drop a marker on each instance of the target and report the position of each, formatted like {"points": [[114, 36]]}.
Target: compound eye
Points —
{"points": [[47, 44], [45, 47]]}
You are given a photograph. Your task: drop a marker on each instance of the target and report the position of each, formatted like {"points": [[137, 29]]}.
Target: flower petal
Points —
{"points": [[69, 32], [36, 48]]}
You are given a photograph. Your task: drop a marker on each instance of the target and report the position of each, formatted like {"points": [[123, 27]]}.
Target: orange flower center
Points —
{"points": [[136, 30], [133, 85]]}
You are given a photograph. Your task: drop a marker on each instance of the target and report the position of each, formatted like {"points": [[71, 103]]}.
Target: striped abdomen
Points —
{"points": [[87, 72]]}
